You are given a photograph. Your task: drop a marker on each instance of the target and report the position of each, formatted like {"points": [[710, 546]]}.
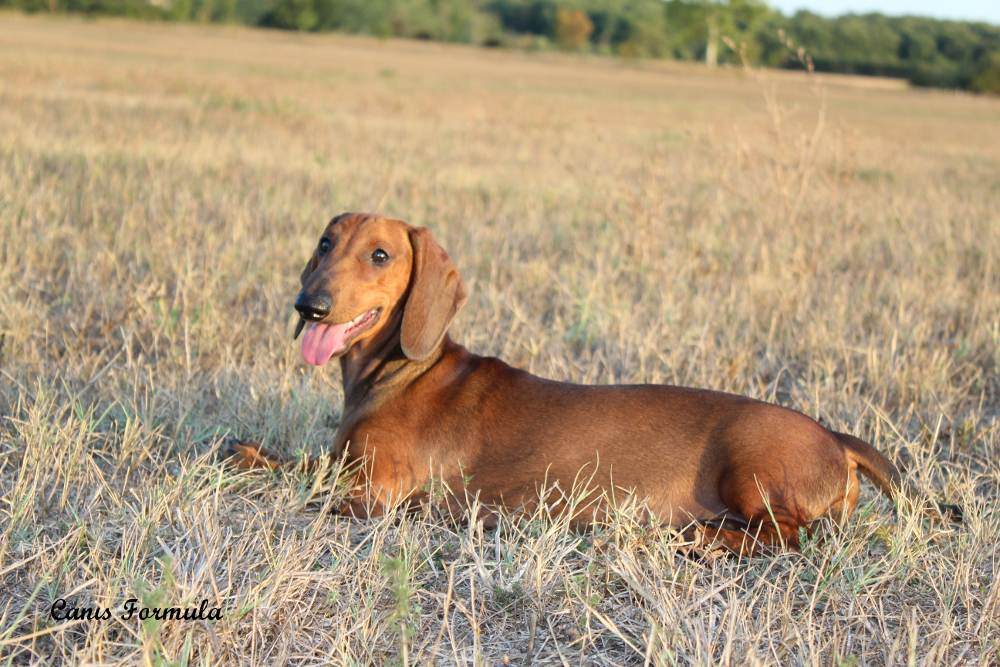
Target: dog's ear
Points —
{"points": [[436, 295]]}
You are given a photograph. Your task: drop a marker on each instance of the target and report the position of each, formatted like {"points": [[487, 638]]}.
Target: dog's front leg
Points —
{"points": [[247, 455]]}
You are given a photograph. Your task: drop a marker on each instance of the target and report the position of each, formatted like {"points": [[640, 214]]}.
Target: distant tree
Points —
{"points": [[573, 29], [292, 15], [700, 26], [916, 40], [181, 10], [744, 21], [988, 78], [444, 20], [537, 17], [866, 45], [643, 29], [248, 11]]}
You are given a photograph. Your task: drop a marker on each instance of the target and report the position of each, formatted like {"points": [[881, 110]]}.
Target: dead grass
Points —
{"points": [[160, 186]]}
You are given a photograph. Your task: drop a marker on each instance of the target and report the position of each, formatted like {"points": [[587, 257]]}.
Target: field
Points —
{"points": [[820, 242]]}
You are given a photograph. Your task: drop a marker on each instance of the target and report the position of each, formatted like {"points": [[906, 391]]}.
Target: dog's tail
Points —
{"points": [[873, 464], [882, 472]]}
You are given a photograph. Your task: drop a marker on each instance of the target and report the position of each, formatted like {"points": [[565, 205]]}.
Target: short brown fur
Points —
{"points": [[418, 405]]}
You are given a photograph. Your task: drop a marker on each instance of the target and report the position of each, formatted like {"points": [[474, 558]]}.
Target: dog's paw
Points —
{"points": [[247, 455]]}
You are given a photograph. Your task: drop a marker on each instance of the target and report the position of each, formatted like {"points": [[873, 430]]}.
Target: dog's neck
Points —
{"points": [[375, 369]]}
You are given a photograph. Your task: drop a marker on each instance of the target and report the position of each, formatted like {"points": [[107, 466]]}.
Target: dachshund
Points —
{"points": [[379, 295]]}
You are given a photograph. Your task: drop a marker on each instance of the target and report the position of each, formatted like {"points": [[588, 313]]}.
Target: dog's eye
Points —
{"points": [[380, 256], [324, 246]]}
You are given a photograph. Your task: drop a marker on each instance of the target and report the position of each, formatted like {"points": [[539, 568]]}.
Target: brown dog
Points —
{"points": [[380, 295]]}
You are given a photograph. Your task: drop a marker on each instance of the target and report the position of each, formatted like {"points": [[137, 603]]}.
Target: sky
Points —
{"points": [[975, 10]]}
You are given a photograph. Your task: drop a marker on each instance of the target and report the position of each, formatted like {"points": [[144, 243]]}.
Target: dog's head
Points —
{"points": [[370, 273]]}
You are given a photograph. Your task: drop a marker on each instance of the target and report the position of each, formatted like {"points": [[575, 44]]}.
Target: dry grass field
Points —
{"points": [[829, 246]]}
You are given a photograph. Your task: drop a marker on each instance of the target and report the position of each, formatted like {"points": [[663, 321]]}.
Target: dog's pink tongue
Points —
{"points": [[322, 341]]}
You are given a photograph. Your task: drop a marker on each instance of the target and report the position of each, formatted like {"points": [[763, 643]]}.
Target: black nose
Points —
{"points": [[313, 306]]}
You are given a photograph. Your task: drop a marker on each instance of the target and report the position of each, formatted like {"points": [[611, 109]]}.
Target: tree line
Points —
{"points": [[927, 52]]}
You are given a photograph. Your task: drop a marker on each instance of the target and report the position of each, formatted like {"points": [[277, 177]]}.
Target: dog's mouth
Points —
{"points": [[322, 341]]}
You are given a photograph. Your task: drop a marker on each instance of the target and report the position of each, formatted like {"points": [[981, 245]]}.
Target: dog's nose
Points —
{"points": [[313, 306]]}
